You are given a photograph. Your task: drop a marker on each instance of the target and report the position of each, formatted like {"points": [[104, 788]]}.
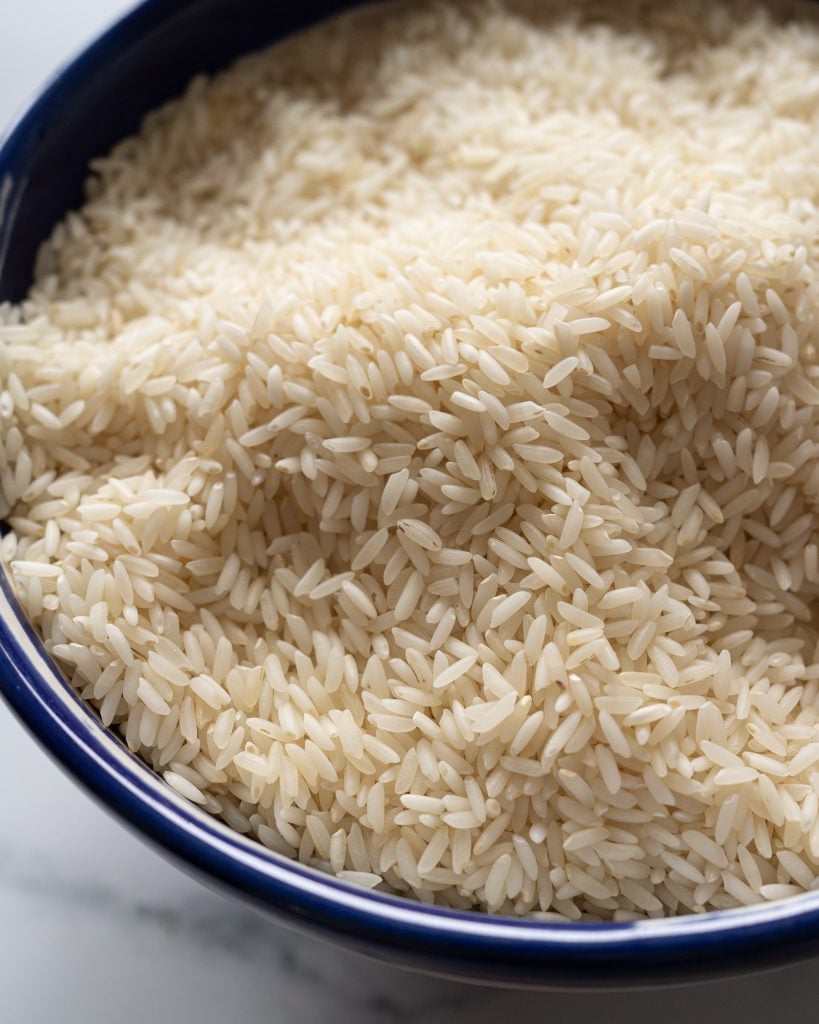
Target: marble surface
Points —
{"points": [[95, 927]]}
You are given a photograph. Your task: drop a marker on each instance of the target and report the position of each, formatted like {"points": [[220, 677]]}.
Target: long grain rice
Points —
{"points": [[411, 449]]}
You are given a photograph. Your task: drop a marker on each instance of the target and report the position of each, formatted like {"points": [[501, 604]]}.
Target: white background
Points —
{"points": [[94, 927]]}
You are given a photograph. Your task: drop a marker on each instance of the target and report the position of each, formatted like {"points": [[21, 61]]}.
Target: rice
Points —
{"points": [[411, 450]]}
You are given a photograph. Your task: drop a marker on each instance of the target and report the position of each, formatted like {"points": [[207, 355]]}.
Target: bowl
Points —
{"points": [[98, 98]]}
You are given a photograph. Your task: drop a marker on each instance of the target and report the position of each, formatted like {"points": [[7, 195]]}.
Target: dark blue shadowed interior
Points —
{"points": [[145, 59]]}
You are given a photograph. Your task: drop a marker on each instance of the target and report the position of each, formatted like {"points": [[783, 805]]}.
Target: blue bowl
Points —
{"points": [[146, 58]]}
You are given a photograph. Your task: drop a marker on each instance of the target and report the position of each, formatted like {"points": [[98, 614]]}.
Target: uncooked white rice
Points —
{"points": [[412, 449]]}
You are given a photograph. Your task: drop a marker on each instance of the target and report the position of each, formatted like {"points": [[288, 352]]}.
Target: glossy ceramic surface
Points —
{"points": [[146, 58]]}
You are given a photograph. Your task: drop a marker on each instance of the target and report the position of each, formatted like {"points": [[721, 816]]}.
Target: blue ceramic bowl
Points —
{"points": [[144, 59]]}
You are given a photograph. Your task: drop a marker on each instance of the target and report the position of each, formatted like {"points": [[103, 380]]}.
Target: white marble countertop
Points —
{"points": [[95, 927]]}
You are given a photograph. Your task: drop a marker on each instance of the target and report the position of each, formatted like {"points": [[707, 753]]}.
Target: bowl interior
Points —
{"points": [[101, 97]]}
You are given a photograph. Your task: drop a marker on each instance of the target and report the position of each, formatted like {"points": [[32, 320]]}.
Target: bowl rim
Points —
{"points": [[71, 732], [488, 946]]}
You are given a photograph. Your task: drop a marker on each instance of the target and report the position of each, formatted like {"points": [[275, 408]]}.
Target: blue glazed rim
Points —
{"points": [[467, 945], [448, 941]]}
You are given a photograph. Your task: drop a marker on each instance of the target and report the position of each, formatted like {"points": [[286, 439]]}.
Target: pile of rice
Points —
{"points": [[412, 449]]}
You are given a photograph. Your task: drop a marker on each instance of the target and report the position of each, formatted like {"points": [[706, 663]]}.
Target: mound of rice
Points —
{"points": [[412, 449]]}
